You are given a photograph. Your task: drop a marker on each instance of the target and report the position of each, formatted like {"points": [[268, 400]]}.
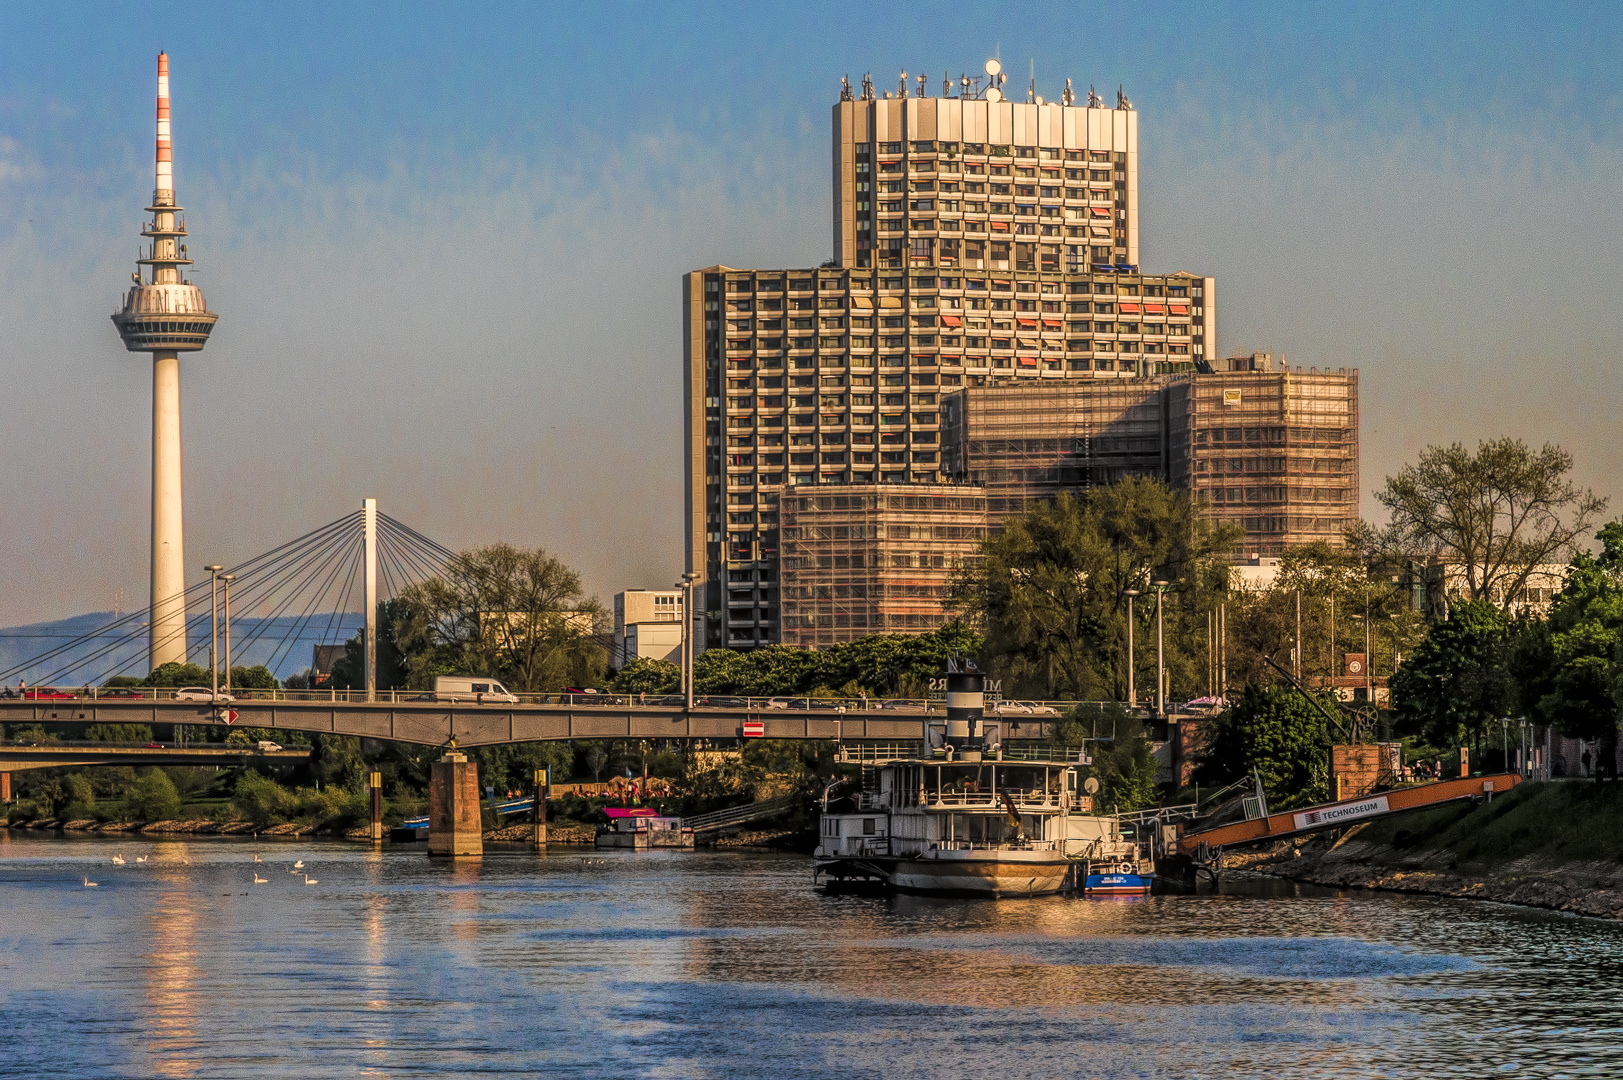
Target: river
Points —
{"points": [[729, 965]]}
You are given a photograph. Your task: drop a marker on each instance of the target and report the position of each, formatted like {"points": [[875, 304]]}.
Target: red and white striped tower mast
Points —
{"points": [[164, 314]]}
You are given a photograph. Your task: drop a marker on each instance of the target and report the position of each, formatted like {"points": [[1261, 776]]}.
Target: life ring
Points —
{"points": [[1126, 868]]}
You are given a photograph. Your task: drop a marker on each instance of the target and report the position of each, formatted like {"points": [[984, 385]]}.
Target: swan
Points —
{"points": [[118, 860], [141, 858], [90, 884], [260, 880], [299, 865], [308, 880], [258, 859]]}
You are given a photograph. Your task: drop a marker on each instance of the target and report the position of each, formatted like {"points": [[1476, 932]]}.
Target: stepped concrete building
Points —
{"points": [[983, 317], [164, 314]]}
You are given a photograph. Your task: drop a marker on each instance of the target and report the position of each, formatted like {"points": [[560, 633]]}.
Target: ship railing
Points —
{"points": [[867, 845], [1034, 799], [993, 845]]}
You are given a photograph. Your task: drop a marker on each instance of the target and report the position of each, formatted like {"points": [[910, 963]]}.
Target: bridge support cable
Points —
{"points": [[262, 582], [271, 563]]}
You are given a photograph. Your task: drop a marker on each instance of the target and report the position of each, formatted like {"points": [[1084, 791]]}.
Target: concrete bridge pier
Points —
{"points": [[454, 826]]}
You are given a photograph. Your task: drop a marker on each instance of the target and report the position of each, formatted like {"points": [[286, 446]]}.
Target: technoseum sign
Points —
{"points": [[1330, 815]]}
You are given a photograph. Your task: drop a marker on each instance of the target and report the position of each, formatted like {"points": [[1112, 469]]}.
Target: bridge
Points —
{"points": [[439, 724]]}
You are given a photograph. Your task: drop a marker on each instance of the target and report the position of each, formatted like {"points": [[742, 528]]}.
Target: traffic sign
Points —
{"points": [[754, 729], [230, 716]]}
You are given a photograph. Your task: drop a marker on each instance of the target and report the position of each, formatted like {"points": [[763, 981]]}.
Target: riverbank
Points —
{"points": [[1555, 845]]}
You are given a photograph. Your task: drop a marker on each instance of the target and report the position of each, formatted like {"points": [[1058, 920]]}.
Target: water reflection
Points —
{"points": [[729, 965]]}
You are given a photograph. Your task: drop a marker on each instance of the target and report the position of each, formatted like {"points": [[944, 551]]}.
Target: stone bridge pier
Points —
{"points": [[454, 826]]}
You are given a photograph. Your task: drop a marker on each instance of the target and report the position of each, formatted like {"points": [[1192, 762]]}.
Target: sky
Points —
{"points": [[446, 241]]}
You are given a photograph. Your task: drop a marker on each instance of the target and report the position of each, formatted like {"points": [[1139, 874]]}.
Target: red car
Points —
{"points": [[153, 746], [121, 692], [42, 693]]}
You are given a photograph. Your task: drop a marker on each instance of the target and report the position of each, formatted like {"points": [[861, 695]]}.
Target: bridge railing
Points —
{"points": [[897, 707]]}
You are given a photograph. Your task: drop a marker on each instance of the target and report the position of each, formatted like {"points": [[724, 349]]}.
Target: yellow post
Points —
{"points": [[375, 782], [543, 788]]}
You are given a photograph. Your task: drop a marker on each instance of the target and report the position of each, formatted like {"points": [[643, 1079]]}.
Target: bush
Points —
{"points": [[260, 799], [153, 797], [79, 798]]}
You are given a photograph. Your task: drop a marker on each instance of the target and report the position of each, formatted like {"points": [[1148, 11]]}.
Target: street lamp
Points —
{"points": [[225, 595], [1160, 588], [686, 585], [214, 627], [1132, 694]]}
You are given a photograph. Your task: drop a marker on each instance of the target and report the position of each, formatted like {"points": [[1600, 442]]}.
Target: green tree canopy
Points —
{"points": [[1458, 683], [1570, 667], [642, 675], [1051, 589], [173, 674], [152, 797], [257, 677], [1279, 734]]}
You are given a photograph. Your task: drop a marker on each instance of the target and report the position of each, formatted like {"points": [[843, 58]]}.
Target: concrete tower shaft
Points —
{"points": [[164, 314]]}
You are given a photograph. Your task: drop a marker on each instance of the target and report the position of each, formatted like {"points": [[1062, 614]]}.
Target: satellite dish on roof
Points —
{"points": [[993, 94], [993, 66], [1090, 785]]}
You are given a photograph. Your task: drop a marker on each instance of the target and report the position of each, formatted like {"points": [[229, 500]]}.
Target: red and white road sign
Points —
{"points": [[754, 729], [230, 716]]}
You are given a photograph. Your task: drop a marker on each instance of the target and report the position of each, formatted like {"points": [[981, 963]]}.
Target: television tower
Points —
{"points": [[164, 315]]}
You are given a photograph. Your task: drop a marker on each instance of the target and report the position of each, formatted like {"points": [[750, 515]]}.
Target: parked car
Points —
{"points": [[266, 746], [201, 693]]}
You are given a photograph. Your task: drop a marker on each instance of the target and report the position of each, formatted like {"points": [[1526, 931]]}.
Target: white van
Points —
{"points": [[472, 688], [268, 747]]}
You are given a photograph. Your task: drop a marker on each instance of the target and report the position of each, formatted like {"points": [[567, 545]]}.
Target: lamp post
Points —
{"points": [[214, 627], [686, 585], [1160, 588], [1132, 693], [225, 594]]}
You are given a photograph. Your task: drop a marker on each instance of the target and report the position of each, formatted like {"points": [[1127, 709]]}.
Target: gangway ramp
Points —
{"points": [[1345, 812], [739, 815]]}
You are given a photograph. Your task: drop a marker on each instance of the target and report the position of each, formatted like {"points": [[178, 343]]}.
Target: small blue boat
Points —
{"points": [[1116, 885]]}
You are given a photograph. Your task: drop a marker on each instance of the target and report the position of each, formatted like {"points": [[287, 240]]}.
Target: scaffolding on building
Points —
{"points": [[874, 559]]}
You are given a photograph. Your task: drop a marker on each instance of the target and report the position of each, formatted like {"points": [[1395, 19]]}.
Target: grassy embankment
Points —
{"points": [[1554, 845]]}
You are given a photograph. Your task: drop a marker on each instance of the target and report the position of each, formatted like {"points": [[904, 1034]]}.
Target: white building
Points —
{"points": [[647, 624]]}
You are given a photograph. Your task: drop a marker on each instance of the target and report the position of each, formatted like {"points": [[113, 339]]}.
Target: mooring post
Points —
{"points": [[454, 825], [375, 782], [543, 788], [5, 787]]}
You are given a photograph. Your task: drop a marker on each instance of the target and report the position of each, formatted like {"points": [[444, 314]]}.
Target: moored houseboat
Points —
{"points": [[642, 829]]}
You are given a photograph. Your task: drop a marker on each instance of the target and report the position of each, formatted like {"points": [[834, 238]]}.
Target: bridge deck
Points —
{"points": [[436, 723], [19, 758]]}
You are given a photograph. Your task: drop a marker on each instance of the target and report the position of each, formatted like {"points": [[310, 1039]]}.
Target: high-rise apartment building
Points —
{"points": [[975, 241]]}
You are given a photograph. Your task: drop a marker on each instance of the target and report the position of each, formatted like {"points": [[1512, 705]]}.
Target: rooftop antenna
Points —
{"points": [[845, 88], [1122, 101], [1031, 91], [946, 84], [923, 83], [901, 86], [867, 86], [1094, 100], [994, 70], [1067, 97]]}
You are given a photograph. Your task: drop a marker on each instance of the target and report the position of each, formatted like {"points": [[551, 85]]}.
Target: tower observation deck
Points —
{"points": [[164, 314]]}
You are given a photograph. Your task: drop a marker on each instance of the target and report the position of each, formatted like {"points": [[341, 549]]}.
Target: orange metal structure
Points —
{"points": [[1347, 811]]}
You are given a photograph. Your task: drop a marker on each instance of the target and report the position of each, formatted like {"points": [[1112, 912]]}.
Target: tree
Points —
{"points": [[642, 675], [1570, 667], [260, 799], [78, 798], [173, 674], [516, 613], [1277, 733], [257, 677], [152, 797], [1499, 513], [597, 759], [1050, 588], [1458, 682]]}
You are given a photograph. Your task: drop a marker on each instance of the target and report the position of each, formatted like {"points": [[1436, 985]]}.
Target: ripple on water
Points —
{"points": [[728, 965]]}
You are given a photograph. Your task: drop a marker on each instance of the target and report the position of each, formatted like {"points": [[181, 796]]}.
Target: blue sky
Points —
{"points": [[445, 241]]}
